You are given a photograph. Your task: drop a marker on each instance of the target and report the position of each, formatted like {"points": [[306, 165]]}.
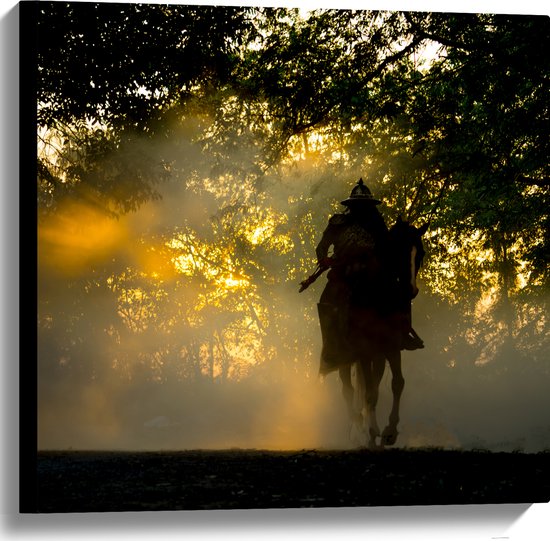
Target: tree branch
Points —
{"points": [[542, 182]]}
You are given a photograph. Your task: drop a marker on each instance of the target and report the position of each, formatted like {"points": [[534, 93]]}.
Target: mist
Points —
{"points": [[108, 386]]}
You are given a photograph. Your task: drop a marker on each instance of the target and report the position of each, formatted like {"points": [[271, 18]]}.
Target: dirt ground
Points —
{"points": [[252, 479]]}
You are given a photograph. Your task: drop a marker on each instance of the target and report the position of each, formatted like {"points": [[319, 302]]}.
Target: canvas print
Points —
{"points": [[289, 257]]}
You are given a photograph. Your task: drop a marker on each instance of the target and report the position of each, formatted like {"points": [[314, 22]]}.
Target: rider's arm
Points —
{"points": [[323, 247], [330, 237]]}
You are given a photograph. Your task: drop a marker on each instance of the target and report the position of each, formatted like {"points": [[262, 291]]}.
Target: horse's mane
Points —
{"points": [[403, 233], [387, 289]]}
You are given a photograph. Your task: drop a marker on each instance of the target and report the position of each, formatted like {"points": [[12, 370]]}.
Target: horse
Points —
{"points": [[379, 318]]}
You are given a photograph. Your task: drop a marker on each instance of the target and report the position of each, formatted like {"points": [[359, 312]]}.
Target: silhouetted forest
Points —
{"points": [[188, 159]]}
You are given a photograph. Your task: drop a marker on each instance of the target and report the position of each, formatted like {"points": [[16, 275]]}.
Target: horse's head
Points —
{"points": [[406, 253]]}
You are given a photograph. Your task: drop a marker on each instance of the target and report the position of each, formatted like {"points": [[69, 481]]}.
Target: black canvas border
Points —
{"points": [[28, 256]]}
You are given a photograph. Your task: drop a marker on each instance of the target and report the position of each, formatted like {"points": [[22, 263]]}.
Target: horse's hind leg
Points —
{"points": [[355, 417], [356, 429], [389, 435]]}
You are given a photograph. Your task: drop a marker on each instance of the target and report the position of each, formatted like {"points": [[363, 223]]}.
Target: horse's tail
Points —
{"points": [[359, 387]]}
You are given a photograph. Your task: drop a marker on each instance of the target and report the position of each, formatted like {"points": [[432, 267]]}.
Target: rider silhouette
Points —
{"points": [[358, 238]]}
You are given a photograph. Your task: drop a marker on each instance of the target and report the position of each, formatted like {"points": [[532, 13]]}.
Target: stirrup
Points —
{"points": [[410, 343]]}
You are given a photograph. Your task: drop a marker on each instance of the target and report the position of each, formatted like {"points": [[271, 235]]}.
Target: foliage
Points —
{"points": [[125, 63], [487, 99]]}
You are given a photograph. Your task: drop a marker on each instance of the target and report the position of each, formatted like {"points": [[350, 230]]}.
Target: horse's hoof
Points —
{"points": [[373, 446], [389, 436], [356, 435]]}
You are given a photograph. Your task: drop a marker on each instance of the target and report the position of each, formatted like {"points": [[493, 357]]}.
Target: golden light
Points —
{"points": [[261, 228], [152, 259], [184, 264], [256, 235], [77, 236], [232, 282]]}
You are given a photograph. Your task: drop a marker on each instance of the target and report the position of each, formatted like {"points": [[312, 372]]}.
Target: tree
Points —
{"points": [[124, 64], [108, 75], [483, 117], [321, 72]]}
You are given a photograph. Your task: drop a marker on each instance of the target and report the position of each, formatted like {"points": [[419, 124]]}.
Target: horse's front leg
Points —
{"points": [[389, 436], [373, 370]]}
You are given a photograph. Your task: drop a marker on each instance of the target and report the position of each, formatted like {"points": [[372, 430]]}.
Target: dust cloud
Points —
{"points": [[279, 404]]}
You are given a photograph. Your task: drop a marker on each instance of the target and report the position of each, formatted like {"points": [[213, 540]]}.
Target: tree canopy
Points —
{"points": [[124, 64]]}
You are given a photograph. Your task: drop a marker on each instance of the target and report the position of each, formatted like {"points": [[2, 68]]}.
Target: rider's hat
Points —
{"points": [[360, 193]]}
